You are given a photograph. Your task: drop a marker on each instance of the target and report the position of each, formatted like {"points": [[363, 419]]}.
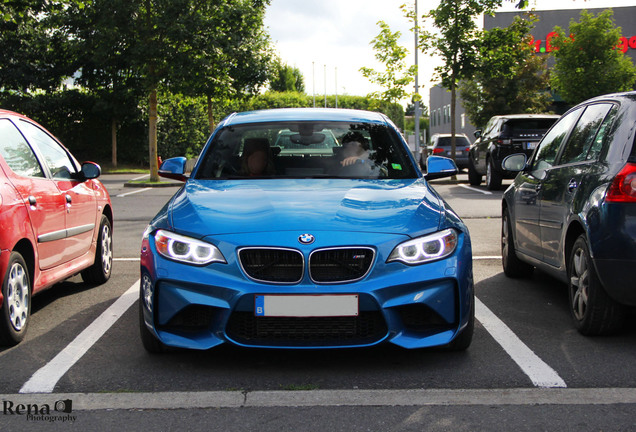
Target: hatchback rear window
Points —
{"points": [[459, 141]]}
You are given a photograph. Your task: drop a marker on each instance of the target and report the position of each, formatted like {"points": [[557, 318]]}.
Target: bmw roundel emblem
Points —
{"points": [[306, 239]]}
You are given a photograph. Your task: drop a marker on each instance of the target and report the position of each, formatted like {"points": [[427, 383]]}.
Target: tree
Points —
{"points": [[509, 78], [455, 42], [397, 75], [587, 61], [33, 54], [285, 78], [195, 47], [103, 48]]}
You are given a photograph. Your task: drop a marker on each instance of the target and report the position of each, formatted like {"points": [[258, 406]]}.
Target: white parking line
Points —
{"points": [[141, 177], [133, 192], [537, 370], [45, 379], [475, 189]]}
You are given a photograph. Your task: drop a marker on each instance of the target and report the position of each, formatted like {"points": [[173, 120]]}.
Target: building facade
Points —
{"points": [[440, 98]]}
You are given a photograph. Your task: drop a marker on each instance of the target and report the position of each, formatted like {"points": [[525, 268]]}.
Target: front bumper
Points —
{"points": [[409, 306]]}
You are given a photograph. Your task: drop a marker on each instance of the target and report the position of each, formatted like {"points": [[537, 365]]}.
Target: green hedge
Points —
{"points": [[82, 120]]}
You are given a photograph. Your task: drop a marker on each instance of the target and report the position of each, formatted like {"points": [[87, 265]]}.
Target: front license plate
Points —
{"points": [[306, 305], [531, 145]]}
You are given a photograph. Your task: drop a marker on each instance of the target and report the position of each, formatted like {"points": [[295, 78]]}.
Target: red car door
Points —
{"points": [[41, 196], [78, 196]]}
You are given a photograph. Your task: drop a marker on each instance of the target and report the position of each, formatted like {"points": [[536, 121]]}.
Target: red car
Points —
{"points": [[56, 220]]}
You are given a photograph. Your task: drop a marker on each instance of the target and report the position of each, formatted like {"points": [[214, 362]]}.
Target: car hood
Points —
{"points": [[212, 207]]}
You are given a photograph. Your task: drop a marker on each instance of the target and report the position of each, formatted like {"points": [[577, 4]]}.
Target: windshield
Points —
{"points": [[306, 150]]}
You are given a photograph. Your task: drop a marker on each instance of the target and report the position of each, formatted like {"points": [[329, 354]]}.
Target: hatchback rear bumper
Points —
{"points": [[618, 282]]}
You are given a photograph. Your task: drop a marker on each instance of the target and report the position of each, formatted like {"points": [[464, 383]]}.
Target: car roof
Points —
{"points": [[442, 135], [527, 116], [631, 95], [7, 113], [304, 114]]}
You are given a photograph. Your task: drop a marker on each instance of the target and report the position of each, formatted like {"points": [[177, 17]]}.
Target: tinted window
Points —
{"points": [[459, 141], [16, 152], [55, 156], [603, 135], [517, 126], [549, 147], [306, 150], [584, 134]]}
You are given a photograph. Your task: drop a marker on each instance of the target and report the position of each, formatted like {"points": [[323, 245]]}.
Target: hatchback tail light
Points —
{"points": [[623, 188], [438, 150]]}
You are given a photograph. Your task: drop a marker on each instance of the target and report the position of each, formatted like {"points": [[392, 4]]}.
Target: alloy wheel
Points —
{"points": [[107, 252], [18, 296], [580, 284]]}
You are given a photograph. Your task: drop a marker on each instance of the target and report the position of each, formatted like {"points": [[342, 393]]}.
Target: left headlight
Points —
{"points": [[186, 249], [424, 249]]}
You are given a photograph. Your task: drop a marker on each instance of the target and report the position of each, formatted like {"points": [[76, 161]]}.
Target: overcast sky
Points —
{"points": [[318, 36]]}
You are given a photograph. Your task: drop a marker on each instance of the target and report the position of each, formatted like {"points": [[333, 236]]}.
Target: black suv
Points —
{"points": [[504, 135]]}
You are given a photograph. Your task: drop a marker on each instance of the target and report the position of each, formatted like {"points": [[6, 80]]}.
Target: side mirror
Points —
{"points": [[515, 162], [90, 170], [477, 133], [174, 168], [439, 167]]}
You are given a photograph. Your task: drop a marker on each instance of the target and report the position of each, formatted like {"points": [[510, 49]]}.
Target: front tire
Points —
{"points": [[16, 308], [474, 178], [463, 340], [493, 177], [101, 269], [593, 311], [513, 267]]}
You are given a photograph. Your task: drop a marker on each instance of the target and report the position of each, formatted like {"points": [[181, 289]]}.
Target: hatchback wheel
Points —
{"points": [[493, 177], [100, 271], [593, 311], [16, 308], [513, 267]]}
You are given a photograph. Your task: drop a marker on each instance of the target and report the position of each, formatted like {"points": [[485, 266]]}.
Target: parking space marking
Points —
{"points": [[537, 370], [133, 192], [45, 379], [474, 189]]}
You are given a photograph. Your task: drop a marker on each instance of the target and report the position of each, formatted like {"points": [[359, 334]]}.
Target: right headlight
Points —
{"points": [[186, 249], [425, 249]]}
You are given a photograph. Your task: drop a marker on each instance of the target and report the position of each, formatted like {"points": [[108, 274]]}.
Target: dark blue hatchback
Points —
{"points": [[571, 211]]}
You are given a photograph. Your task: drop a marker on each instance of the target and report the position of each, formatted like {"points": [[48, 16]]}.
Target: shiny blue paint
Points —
{"points": [[406, 207], [378, 214]]}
